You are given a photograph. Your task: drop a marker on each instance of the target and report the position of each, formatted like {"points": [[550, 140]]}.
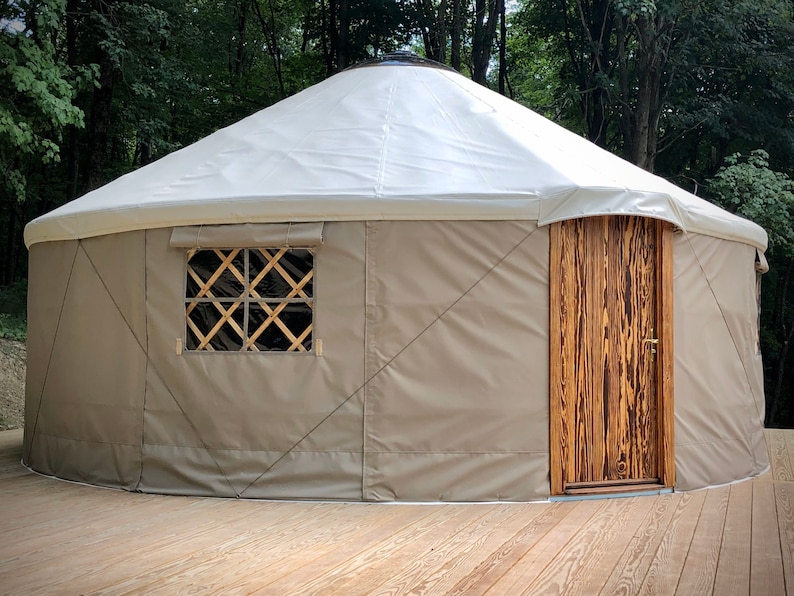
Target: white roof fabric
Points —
{"points": [[390, 141]]}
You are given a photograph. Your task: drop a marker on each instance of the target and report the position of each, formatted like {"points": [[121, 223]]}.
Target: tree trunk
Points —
{"points": [[99, 121], [273, 47], [642, 150], [328, 34], [8, 267], [598, 24], [72, 137], [780, 377], [307, 23], [457, 34], [483, 38], [145, 151], [241, 12], [441, 31], [639, 123], [502, 47], [342, 50], [434, 29]]}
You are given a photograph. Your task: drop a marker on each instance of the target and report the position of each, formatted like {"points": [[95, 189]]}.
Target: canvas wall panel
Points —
{"points": [[114, 465], [49, 270], [719, 399], [457, 477], [87, 422], [457, 361], [232, 472], [242, 412]]}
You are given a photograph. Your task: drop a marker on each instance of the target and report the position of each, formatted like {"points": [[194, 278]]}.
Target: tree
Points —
{"points": [[486, 17], [734, 91], [580, 37], [354, 30], [466, 35], [35, 108], [432, 25], [622, 57]]}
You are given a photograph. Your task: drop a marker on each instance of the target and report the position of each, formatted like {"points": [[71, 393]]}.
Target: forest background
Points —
{"points": [[700, 92]]}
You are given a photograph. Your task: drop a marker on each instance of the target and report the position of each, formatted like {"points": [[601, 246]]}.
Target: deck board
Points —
{"points": [[700, 567], [545, 548], [733, 567], [67, 538], [493, 566], [586, 561], [378, 543], [766, 562], [442, 566], [406, 548], [784, 494], [667, 565], [779, 454]]}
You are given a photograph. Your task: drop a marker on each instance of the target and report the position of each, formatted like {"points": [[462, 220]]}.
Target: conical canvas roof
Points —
{"points": [[392, 140]]}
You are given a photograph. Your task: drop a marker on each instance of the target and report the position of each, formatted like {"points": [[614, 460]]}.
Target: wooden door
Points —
{"points": [[610, 355]]}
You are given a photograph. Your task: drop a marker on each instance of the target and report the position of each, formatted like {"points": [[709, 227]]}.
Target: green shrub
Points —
{"points": [[13, 326], [13, 306]]}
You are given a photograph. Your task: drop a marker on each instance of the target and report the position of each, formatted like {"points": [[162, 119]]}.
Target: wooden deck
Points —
{"points": [[63, 538]]}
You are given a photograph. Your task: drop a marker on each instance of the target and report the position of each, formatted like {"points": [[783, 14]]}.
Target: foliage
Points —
{"points": [[37, 109], [13, 327], [37, 103], [13, 321], [746, 186], [734, 91], [536, 74]]}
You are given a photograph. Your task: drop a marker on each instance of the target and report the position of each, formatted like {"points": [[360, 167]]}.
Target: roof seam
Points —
{"points": [[378, 191], [461, 135]]}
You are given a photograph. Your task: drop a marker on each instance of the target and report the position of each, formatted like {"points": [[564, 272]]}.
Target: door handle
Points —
{"points": [[653, 341]]}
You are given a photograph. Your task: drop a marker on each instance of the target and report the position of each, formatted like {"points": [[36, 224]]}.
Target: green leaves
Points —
{"points": [[747, 186], [37, 104], [13, 327], [635, 8]]}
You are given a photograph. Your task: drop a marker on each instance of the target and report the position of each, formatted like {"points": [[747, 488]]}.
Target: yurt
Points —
{"points": [[395, 285]]}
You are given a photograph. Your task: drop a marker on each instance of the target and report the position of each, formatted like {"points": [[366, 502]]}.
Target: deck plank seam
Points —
{"points": [[722, 542], [675, 519], [563, 546], [780, 539], [636, 535]]}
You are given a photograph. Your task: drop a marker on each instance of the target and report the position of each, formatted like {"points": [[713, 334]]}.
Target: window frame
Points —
{"points": [[274, 305]]}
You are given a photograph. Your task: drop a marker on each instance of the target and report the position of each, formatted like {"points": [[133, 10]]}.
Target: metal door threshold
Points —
{"points": [[637, 493]]}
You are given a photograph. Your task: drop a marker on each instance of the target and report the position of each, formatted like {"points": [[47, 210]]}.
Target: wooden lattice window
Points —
{"points": [[249, 299]]}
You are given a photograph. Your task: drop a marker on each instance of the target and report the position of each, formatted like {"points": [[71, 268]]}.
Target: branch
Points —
{"points": [[672, 140], [568, 42]]}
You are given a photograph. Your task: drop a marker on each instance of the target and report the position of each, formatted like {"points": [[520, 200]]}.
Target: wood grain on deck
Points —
{"points": [[64, 538]]}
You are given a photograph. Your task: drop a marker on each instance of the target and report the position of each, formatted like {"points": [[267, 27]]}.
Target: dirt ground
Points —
{"points": [[12, 384]]}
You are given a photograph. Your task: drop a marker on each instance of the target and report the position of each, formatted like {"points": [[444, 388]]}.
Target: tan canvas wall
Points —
{"points": [[457, 336], [257, 424], [719, 397], [87, 365], [439, 419], [432, 383]]}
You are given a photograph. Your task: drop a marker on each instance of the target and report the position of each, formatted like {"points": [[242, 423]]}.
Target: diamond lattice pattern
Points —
{"points": [[249, 299]]}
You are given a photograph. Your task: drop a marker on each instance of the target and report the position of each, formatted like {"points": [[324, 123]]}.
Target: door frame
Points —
{"points": [[664, 362]]}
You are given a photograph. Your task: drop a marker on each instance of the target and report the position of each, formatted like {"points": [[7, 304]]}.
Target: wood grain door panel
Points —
{"points": [[608, 301]]}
